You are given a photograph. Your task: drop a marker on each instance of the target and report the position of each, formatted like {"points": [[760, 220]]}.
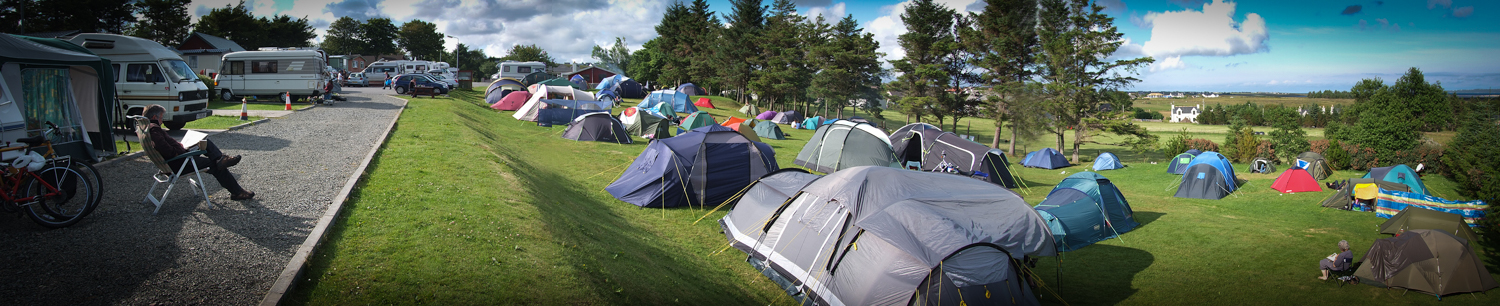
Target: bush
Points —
{"points": [[1201, 144], [213, 95], [1360, 158], [1474, 165], [1338, 159], [1267, 150], [1319, 146], [1178, 144]]}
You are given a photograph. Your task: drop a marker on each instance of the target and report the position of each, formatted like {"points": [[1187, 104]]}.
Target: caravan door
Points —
{"points": [[232, 79]]}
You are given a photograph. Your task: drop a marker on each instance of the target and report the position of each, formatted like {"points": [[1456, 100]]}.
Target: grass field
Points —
{"points": [[1165, 105], [465, 205]]}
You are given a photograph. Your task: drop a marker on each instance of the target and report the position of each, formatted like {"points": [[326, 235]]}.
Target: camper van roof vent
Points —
{"points": [[98, 44]]}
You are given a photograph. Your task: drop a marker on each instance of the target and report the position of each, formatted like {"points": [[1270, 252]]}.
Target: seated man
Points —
{"points": [[217, 163], [1337, 260]]}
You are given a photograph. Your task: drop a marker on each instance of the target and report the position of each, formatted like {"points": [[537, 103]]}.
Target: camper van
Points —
{"points": [[148, 73], [519, 70], [270, 73]]}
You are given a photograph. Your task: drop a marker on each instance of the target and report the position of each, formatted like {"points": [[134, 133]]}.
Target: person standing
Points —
{"points": [[387, 81]]}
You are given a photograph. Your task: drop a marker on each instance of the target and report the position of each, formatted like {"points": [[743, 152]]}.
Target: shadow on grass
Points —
{"points": [[618, 260], [1099, 274], [1146, 217]]}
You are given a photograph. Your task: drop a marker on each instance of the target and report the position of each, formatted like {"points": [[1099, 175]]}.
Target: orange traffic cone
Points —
{"points": [[244, 109], [287, 96]]}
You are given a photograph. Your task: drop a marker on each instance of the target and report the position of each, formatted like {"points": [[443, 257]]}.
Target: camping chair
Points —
{"points": [[164, 173], [1348, 271]]}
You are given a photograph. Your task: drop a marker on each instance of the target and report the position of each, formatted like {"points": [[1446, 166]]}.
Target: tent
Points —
{"points": [[812, 123], [750, 109], [769, 130], [1107, 161], [745, 127], [787, 117], [1295, 180], [1209, 176], [505, 84], [494, 97], [697, 120], [560, 82], [537, 77], [63, 83], [1391, 202], [597, 127], [512, 101], [1415, 218], [1399, 174], [930, 147], [660, 109], [607, 95], [1315, 165], [879, 236], [1086, 208], [846, 144], [611, 83], [679, 101], [631, 89], [1180, 162], [767, 115], [691, 90], [640, 123], [1430, 261], [704, 102], [1345, 195], [1194, 152], [578, 81], [703, 167], [1262, 166], [528, 111], [1046, 158]]}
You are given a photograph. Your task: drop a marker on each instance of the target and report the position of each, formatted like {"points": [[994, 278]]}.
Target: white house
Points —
{"points": [[1185, 113]]}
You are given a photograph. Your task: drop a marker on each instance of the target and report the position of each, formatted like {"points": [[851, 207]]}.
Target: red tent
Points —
{"points": [[512, 101], [703, 102], [1296, 180]]}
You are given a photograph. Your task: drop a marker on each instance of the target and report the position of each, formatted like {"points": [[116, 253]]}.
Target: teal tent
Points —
{"points": [[1400, 174], [812, 123], [67, 82], [697, 120], [768, 129], [1086, 208]]}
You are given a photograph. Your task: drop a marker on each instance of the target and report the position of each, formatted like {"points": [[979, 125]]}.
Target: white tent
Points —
{"points": [[528, 111]]}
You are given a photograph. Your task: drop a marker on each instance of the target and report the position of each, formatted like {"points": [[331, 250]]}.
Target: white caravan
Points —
{"points": [[270, 73], [148, 73], [519, 70]]}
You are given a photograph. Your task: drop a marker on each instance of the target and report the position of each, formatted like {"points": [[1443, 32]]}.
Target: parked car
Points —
{"points": [[356, 79], [403, 83]]}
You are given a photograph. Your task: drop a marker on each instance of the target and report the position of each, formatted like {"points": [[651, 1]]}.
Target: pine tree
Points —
{"points": [[1004, 43], [784, 77], [737, 53], [928, 42], [848, 67], [1076, 39], [162, 21]]}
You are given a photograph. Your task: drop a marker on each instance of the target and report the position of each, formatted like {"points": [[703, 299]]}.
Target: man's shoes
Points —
{"points": [[242, 196], [229, 161]]}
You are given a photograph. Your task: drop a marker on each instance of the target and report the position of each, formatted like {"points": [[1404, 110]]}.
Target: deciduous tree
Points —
{"points": [[345, 36], [162, 21], [421, 39], [379, 36], [616, 57]]}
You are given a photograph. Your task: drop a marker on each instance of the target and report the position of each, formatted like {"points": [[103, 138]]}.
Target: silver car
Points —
{"points": [[356, 79]]}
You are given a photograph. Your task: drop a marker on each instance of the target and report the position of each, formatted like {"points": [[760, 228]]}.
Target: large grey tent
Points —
{"points": [[1424, 260], [707, 166], [846, 144], [887, 236], [931, 147], [63, 83], [596, 127]]}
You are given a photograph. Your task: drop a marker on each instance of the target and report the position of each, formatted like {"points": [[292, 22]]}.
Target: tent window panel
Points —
{"points": [[264, 66], [143, 73], [48, 97]]}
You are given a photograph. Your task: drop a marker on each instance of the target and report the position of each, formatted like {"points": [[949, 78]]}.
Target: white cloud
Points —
{"points": [[1168, 63], [831, 13], [1462, 12], [1432, 4], [1211, 32]]}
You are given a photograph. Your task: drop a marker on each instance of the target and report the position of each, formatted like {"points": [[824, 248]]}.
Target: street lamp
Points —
{"points": [[455, 52]]}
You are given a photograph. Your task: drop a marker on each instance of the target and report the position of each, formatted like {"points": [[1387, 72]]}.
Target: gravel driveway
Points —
{"points": [[190, 253]]}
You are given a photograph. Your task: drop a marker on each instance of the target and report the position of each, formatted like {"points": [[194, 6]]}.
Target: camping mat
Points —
{"points": [[1391, 202]]}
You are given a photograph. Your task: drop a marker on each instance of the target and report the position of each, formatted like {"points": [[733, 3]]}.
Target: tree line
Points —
{"points": [[1330, 94], [163, 21]]}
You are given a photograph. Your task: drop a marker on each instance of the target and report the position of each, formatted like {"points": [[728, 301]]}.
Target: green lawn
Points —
{"points": [[511, 213]]}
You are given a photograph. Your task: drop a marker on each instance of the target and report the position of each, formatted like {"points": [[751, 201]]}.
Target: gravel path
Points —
{"points": [[190, 253]]}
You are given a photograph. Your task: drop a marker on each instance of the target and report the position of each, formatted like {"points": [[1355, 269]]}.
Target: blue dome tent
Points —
{"points": [[1046, 158], [703, 167], [1209, 176], [1107, 161]]}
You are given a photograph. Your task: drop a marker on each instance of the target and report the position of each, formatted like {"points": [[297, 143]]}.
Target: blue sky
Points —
{"points": [[1216, 45]]}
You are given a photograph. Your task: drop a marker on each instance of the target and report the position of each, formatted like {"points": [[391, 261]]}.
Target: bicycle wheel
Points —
{"points": [[91, 175], [64, 207]]}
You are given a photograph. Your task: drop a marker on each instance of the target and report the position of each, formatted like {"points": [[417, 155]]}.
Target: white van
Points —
{"points": [[149, 73], [270, 73], [519, 70]]}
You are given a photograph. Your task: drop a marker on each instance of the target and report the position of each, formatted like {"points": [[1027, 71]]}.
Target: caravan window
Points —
{"points": [[263, 66], [507, 68], [143, 73], [523, 69], [235, 68]]}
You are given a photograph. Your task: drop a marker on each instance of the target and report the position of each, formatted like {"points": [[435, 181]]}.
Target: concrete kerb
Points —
{"points": [[294, 268]]}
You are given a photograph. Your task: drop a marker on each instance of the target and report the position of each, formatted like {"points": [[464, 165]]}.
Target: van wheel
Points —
{"points": [[175, 126], [400, 90], [226, 96]]}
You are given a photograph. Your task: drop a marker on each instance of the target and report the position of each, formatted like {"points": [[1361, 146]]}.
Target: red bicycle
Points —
{"points": [[55, 192]]}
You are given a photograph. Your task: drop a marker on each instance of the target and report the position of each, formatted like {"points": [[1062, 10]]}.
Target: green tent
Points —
{"points": [[647, 124], [559, 82], [537, 77], [697, 120], [750, 109], [768, 129], [1413, 218], [92, 91]]}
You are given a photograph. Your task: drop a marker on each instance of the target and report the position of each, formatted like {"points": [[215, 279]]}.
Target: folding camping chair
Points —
{"points": [[1344, 276], [164, 173]]}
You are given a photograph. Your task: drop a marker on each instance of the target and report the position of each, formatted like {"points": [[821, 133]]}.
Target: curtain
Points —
{"points": [[48, 97]]}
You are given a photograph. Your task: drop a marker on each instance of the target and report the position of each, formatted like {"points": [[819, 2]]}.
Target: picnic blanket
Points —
{"points": [[1390, 202]]}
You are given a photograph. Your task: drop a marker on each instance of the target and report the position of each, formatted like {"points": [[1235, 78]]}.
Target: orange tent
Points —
{"points": [[745, 127], [1296, 180], [703, 102]]}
